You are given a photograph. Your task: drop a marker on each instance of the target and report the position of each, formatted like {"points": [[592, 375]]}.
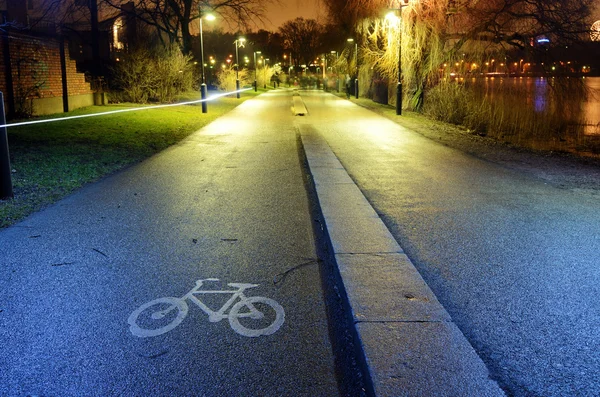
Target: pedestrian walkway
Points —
{"points": [[410, 345]]}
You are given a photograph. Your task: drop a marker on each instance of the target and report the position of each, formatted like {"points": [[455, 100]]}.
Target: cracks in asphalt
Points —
{"points": [[62, 264], [100, 252], [280, 278]]}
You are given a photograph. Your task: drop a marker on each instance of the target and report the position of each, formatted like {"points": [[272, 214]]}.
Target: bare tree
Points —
{"points": [[303, 37], [173, 18]]}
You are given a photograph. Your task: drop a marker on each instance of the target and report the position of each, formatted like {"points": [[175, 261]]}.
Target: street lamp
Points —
{"points": [[255, 67], [238, 43], [209, 17], [265, 71], [396, 5], [335, 71], [356, 59]]}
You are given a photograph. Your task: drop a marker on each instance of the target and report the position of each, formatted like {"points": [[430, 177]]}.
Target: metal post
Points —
{"points": [[356, 80], [255, 71], [6, 190], [237, 67], [399, 85], [63, 73], [265, 72], [398, 7], [203, 84]]}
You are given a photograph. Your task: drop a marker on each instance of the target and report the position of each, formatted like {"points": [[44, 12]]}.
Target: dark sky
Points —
{"points": [[290, 9]]}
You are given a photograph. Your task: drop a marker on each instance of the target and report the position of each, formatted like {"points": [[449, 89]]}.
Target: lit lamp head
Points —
{"points": [[398, 4]]}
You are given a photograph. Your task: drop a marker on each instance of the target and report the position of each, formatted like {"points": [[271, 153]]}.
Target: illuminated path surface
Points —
{"points": [[515, 260], [228, 203]]}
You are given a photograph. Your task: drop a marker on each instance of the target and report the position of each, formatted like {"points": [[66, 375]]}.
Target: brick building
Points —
{"points": [[42, 70], [38, 77]]}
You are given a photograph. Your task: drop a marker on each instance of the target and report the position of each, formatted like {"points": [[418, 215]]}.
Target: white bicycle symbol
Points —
{"points": [[161, 319]]}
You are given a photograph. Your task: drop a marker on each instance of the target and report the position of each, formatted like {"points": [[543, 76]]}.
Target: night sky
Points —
{"points": [[290, 9]]}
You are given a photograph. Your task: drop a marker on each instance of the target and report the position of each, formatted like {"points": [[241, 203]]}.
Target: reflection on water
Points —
{"points": [[591, 107], [540, 95], [579, 109]]}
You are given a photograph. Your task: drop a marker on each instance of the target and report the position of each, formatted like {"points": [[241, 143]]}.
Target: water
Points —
{"points": [[578, 109], [591, 107]]}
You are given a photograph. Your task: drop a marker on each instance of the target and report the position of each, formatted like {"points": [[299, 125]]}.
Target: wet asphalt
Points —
{"points": [[228, 203], [513, 258]]}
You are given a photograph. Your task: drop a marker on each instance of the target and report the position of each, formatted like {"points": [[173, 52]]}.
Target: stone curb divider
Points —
{"points": [[299, 108], [410, 345]]}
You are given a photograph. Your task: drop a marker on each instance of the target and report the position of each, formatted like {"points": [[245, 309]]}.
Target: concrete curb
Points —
{"points": [[299, 108], [408, 341]]}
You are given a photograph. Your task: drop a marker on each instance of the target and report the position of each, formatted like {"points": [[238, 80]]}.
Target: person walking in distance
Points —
{"points": [[348, 86]]}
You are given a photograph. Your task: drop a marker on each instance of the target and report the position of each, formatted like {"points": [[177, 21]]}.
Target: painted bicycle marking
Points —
{"points": [[155, 312]]}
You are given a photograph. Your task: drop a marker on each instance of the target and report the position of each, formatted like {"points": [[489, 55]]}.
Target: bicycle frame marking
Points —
{"points": [[233, 316]]}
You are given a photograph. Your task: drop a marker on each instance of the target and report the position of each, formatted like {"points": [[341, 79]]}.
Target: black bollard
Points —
{"points": [[6, 190], [203, 96]]}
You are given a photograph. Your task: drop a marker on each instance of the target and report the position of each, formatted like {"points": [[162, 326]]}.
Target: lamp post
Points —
{"points": [[356, 60], [265, 71], [255, 67], [397, 5], [335, 71], [209, 17], [6, 187], [238, 43]]}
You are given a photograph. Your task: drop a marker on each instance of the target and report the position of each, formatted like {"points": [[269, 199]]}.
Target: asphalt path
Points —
{"points": [[228, 203], [513, 258]]}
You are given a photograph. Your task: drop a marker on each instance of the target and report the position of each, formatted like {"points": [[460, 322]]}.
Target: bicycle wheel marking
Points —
{"points": [[161, 315]]}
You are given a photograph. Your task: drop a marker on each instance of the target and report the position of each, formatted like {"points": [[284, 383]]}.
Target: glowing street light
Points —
{"points": [[209, 17], [238, 43], [255, 67], [396, 6], [265, 71], [356, 59]]}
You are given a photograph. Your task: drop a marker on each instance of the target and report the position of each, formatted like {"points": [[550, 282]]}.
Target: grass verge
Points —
{"points": [[50, 161]]}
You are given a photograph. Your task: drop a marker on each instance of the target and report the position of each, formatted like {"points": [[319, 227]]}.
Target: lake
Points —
{"points": [[579, 109]]}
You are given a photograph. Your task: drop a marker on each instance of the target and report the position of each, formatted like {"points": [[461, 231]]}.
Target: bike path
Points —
{"points": [[228, 203]]}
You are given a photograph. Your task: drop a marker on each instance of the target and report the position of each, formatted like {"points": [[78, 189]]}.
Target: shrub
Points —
{"points": [[174, 74], [263, 76], [144, 75], [226, 79], [135, 76], [449, 102]]}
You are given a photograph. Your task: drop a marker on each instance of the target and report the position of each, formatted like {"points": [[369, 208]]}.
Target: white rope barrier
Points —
{"points": [[122, 110]]}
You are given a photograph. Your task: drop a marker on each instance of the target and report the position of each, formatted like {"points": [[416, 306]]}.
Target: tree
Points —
{"points": [[173, 18], [438, 31], [303, 37]]}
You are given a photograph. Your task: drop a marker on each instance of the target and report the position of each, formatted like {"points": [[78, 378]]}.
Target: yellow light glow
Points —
{"points": [[391, 16]]}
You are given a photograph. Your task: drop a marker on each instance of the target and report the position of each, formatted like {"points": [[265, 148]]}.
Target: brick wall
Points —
{"points": [[36, 70]]}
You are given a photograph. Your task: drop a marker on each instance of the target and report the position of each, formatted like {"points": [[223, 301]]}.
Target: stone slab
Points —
{"points": [[299, 107], [360, 235], [423, 359], [387, 287]]}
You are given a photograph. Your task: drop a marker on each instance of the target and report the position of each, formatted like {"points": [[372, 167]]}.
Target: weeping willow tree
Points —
{"points": [[434, 33], [420, 30]]}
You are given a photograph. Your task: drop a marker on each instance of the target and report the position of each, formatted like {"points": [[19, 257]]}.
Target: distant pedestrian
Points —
{"points": [[348, 86]]}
